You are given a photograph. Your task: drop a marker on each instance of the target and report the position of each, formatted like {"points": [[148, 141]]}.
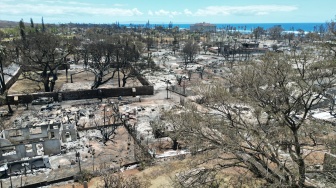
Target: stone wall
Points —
{"points": [[28, 98], [19, 151], [25, 134], [33, 133], [52, 147], [84, 94], [19, 167], [145, 89], [69, 133], [141, 78]]}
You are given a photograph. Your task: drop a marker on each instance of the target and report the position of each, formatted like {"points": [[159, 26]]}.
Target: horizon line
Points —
{"points": [[174, 23]]}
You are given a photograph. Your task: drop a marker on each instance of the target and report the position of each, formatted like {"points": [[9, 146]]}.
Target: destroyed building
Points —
{"points": [[28, 147]]}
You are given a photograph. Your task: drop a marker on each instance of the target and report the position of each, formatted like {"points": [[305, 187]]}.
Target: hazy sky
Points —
{"points": [[164, 11]]}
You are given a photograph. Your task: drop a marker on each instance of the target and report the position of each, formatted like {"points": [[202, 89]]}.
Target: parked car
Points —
{"points": [[43, 100], [51, 106]]}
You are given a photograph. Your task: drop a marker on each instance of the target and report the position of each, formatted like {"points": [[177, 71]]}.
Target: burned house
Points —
{"points": [[236, 50], [29, 147]]}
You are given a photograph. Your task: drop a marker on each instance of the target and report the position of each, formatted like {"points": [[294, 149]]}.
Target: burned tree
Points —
{"points": [[41, 55], [98, 56], [275, 32], [117, 180], [149, 40], [4, 99], [205, 47], [8, 55], [261, 123], [189, 52], [111, 55], [129, 55], [128, 72], [258, 32], [111, 118], [3, 87], [161, 128], [2, 74]]}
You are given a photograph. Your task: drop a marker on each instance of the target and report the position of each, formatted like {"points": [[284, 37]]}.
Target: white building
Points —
{"points": [[203, 27]]}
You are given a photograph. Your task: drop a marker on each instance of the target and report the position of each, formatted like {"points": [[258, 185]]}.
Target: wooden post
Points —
{"points": [[85, 184], [78, 157], [10, 176]]}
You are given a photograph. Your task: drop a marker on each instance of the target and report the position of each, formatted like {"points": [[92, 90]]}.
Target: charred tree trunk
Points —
{"points": [[175, 144], [124, 82], [2, 80], [10, 110], [189, 74], [46, 85], [113, 74], [52, 85], [45, 77], [66, 73], [97, 82], [2, 86], [118, 68], [300, 161]]}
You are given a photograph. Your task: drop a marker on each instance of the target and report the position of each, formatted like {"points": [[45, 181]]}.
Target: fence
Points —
{"points": [[145, 89], [83, 94], [181, 90]]}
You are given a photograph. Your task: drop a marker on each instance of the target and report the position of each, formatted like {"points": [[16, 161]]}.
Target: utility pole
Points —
{"points": [[184, 87], [10, 175], [167, 90], [167, 82], [104, 113], [118, 63], [93, 153], [147, 136], [78, 158]]}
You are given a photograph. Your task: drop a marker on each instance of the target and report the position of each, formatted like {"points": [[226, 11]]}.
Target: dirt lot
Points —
{"points": [[81, 80]]}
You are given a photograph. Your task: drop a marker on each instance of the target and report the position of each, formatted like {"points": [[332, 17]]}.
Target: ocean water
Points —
{"points": [[248, 27]]}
